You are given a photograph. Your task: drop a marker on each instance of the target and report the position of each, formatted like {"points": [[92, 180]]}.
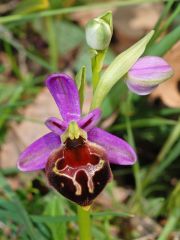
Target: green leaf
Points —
{"points": [[165, 44], [12, 209], [6, 36], [83, 59], [6, 91], [53, 219], [111, 103], [80, 83], [29, 6], [15, 96], [153, 206], [144, 123], [98, 233], [55, 207], [158, 169], [118, 68], [55, 3], [172, 138], [111, 214], [174, 199], [2, 68], [69, 36], [16, 18]]}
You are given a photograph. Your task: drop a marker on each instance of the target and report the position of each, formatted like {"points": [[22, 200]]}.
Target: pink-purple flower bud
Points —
{"points": [[147, 73]]}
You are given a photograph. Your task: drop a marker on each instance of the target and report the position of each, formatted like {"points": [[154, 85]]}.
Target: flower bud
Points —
{"points": [[99, 32], [147, 73]]}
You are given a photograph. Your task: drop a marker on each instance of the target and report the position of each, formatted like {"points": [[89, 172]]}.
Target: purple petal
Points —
{"points": [[36, 155], [65, 93], [118, 151], [150, 68], [91, 120], [56, 125], [138, 89], [147, 73]]}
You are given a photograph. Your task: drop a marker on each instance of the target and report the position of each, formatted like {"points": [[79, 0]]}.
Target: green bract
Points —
{"points": [[80, 83], [118, 68]]}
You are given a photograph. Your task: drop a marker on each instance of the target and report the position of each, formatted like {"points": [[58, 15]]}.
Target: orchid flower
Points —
{"points": [[75, 154]]}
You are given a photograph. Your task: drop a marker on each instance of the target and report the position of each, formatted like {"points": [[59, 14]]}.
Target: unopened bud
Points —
{"points": [[147, 73], [99, 32]]}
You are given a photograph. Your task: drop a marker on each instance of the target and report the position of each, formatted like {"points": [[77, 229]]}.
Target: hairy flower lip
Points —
{"points": [[71, 144], [76, 172]]}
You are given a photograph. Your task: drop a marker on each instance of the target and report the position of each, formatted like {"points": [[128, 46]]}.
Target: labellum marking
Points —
{"points": [[89, 170], [78, 170]]}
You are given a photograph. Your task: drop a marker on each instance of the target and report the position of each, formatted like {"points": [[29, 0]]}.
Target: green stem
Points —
{"points": [[6, 36], [53, 12], [97, 64], [136, 167], [136, 200], [164, 14], [13, 61], [157, 169], [167, 23], [52, 43], [146, 122], [170, 225], [95, 77], [174, 135], [84, 223], [159, 22], [5, 113], [166, 43], [165, 157]]}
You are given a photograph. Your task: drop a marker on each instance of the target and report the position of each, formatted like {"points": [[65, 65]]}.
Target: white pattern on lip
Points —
{"points": [[71, 173]]}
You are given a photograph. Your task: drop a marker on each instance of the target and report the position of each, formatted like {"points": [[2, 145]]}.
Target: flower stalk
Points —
{"points": [[54, 54], [170, 225], [97, 64], [84, 223], [135, 167], [98, 36]]}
